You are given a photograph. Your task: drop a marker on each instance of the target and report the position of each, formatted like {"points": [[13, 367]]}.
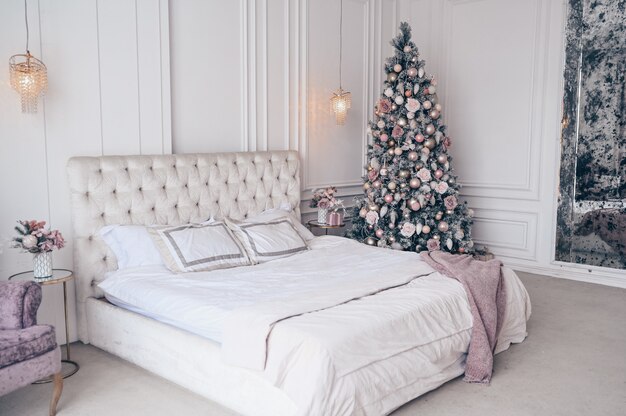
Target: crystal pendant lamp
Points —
{"points": [[341, 100], [28, 75]]}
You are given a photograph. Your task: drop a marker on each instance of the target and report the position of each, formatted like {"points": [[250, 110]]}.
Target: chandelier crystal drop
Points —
{"points": [[340, 102], [28, 75], [29, 78]]}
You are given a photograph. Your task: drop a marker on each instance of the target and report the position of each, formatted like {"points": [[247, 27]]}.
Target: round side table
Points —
{"points": [[69, 367], [314, 223]]}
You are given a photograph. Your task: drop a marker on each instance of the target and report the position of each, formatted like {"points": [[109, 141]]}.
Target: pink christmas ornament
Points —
{"points": [[413, 156], [430, 129], [414, 205], [426, 229], [419, 138], [415, 183], [412, 72], [442, 226], [380, 233], [377, 184], [384, 137], [438, 173], [388, 198]]}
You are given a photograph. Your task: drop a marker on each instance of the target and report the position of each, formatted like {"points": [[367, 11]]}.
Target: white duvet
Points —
{"points": [[354, 353]]}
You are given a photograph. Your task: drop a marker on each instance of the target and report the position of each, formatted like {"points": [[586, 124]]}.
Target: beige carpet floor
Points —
{"points": [[572, 363]]}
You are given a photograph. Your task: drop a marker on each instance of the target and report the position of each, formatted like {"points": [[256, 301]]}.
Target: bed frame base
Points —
{"points": [[186, 359]]}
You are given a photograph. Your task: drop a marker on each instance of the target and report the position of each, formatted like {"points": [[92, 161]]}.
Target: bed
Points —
{"points": [[367, 350]]}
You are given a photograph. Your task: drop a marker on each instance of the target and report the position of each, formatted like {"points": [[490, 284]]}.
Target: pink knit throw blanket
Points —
{"points": [[484, 286]]}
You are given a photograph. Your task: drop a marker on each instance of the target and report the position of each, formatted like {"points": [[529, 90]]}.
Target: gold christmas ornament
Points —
{"points": [[28, 75]]}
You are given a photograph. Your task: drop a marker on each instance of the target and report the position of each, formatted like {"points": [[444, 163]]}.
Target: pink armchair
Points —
{"points": [[28, 352]]}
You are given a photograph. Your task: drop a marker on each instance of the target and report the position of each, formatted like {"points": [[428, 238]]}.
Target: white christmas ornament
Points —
{"points": [[388, 92], [399, 100], [420, 72], [397, 67], [380, 124]]}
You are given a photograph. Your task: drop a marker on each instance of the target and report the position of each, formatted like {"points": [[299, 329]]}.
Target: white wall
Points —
{"points": [[257, 74], [108, 93]]}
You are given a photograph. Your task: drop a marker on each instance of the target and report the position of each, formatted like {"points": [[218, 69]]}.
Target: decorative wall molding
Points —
{"points": [[369, 47], [528, 188], [507, 233]]}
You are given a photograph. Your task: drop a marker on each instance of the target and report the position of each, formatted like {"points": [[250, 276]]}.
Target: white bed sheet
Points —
{"points": [[200, 302], [324, 361]]}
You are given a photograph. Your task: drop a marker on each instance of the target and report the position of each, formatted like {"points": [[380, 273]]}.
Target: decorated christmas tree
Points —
{"points": [[411, 199]]}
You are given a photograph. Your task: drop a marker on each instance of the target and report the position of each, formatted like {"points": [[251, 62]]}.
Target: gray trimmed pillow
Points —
{"points": [[268, 240], [199, 247]]}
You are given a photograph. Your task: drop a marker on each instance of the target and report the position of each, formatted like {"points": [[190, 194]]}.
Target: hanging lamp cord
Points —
{"points": [[26, 20], [340, 40]]}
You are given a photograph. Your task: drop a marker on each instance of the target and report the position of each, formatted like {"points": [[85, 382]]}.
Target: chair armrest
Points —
{"points": [[19, 302]]}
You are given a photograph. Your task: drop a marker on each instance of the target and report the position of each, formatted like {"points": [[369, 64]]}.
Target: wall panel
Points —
{"points": [[106, 95], [335, 154], [208, 68], [118, 57]]}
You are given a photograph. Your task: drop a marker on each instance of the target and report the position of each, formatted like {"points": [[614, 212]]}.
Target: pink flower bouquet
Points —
{"points": [[325, 198], [34, 238]]}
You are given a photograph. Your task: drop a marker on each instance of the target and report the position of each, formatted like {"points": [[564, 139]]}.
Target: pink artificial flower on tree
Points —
{"points": [[384, 105], [441, 187], [424, 174], [432, 245], [450, 202], [397, 132], [412, 105]]}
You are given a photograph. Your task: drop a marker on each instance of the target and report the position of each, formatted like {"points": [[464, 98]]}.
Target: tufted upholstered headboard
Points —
{"points": [[168, 190]]}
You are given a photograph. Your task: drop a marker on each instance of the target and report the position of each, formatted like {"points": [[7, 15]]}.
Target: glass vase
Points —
{"points": [[42, 265], [322, 215]]}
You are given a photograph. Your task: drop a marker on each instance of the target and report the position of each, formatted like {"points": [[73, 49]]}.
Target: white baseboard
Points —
{"points": [[582, 273]]}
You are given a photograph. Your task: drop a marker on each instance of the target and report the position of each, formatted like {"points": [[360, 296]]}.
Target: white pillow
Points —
{"points": [[198, 247], [269, 240], [132, 245], [278, 213]]}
